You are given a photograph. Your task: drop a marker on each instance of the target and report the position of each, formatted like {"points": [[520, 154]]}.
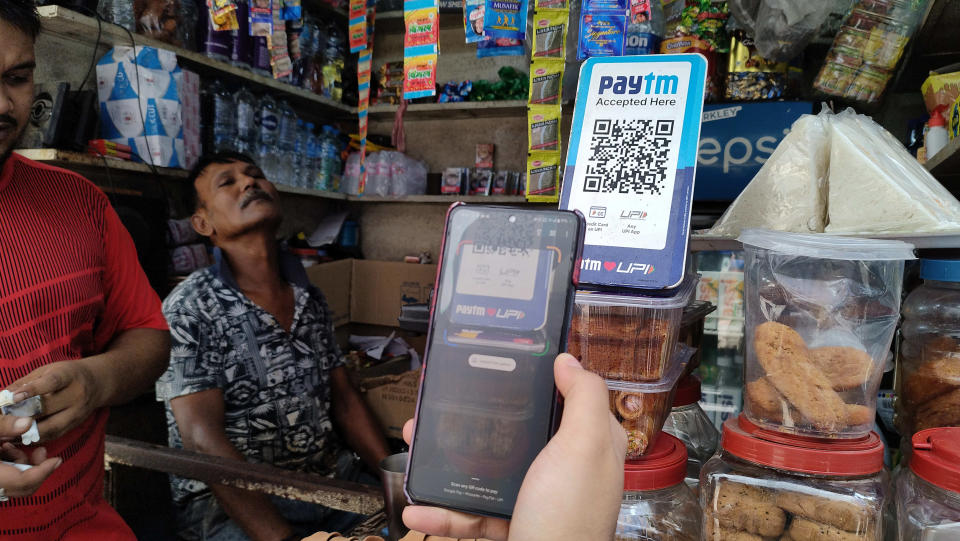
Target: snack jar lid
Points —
{"points": [[814, 456], [942, 270], [688, 391], [824, 246], [936, 457], [664, 466]]}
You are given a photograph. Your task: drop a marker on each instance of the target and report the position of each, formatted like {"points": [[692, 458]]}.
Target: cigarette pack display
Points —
{"points": [[628, 337], [820, 318]]}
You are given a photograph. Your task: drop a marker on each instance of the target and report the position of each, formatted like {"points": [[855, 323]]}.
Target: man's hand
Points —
{"points": [[18, 484], [572, 490], [70, 394], [12, 427]]}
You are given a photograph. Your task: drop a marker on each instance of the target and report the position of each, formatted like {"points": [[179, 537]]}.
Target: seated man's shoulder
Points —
{"points": [[194, 295]]}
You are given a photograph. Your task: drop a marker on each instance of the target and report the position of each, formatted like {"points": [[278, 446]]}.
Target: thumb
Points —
{"points": [[585, 395]]}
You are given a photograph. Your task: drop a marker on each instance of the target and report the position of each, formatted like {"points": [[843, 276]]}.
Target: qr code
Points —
{"points": [[628, 156]]}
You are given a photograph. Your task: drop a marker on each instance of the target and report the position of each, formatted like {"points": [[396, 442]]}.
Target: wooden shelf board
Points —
{"points": [[700, 242], [282, 188], [462, 109], [947, 161], [78, 160], [448, 199], [64, 22]]}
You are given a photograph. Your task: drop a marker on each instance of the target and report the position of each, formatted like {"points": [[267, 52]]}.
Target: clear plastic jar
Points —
{"points": [[928, 493], [656, 502], [688, 422], [764, 484], [929, 393]]}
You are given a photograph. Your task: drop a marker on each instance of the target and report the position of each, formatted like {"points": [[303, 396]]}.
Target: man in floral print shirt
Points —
{"points": [[255, 373]]}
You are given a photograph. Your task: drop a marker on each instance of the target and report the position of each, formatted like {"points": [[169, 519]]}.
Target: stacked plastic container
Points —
{"points": [[928, 492], [802, 461], [630, 340]]}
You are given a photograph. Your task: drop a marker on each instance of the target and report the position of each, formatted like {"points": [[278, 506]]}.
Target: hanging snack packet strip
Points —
{"points": [[280, 63], [420, 48], [505, 19], [601, 33], [543, 177], [543, 127], [419, 76], [550, 33], [261, 18], [473, 20], [546, 81], [358, 25], [550, 4]]}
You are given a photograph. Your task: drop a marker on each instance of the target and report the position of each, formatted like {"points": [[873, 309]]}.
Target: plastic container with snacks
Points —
{"points": [[656, 503], [692, 323], [628, 337], [867, 49], [929, 393], [765, 485], [821, 312], [928, 492], [642, 408], [688, 422]]}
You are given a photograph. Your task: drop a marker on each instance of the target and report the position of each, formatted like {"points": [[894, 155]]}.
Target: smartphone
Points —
{"points": [[500, 314]]}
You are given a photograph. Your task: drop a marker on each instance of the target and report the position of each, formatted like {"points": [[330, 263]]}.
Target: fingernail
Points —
{"points": [[570, 360], [22, 423], [21, 396], [59, 462]]}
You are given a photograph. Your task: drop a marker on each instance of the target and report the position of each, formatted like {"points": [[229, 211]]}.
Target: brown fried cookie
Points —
{"points": [[941, 411], [802, 529], [858, 415], [843, 515], [845, 367], [764, 401], [784, 356], [931, 379], [749, 509], [716, 532]]}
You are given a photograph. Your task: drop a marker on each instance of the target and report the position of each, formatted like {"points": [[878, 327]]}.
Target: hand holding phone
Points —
{"points": [[582, 503]]}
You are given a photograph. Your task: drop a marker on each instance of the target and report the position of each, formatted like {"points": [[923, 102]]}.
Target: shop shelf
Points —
{"points": [[463, 109], [447, 199], [60, 21], [701, 242], [947, 161]]}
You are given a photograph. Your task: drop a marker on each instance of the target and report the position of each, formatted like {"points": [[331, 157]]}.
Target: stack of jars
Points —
{"points": [[802, 462], [631, 340], [928, 492]]}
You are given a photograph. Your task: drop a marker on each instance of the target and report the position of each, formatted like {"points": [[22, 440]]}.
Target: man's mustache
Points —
{"points": [[254, 195], [7, 119]]}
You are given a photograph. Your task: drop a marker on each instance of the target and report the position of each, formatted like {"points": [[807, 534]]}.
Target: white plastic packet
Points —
{"points": [[876, 186], [789, 191]]}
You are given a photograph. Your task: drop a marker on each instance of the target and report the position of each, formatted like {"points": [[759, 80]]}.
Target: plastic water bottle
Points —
{"points": [[287, 143], [330, 159], [311, 171], [119, 12], [333, 65], [247, 132], [645, 27], [269, 124], [221, 107]]}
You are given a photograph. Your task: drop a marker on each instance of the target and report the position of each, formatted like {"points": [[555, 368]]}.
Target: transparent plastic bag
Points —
{"points": [[744, 12], [877, 186], [820, 316], [351, 175], [785, 27], [788, 193]]}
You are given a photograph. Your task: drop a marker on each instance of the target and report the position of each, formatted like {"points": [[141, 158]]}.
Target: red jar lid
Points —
{"points": [[816, 456], [936, 457], [688, 391], [664, 466]]}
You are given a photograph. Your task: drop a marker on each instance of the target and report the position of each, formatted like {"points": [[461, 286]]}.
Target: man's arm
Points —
{"points": [[72, 390], [356, 422], [200, 419]]}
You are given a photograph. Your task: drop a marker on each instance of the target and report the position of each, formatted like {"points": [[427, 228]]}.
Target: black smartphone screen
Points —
{"points": [[500, 316]]}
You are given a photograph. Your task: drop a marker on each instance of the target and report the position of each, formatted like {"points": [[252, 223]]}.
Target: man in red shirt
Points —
{"points": [[79, 325]]}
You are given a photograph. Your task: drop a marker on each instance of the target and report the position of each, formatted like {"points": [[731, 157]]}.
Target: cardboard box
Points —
{"points": [[393, 400], [371, 292]]}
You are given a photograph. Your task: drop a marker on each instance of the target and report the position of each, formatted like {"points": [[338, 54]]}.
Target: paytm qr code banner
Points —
{"points": [[631, 164]]}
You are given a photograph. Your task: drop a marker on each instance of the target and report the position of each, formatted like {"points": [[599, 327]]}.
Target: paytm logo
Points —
{"points": [[470, 310], [647, 84]]}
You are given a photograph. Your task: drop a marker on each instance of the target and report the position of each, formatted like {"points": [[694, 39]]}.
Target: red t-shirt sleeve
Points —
{"points": [[130, 301]]}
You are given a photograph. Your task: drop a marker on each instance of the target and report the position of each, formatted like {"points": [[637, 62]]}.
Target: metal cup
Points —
{"points": [[394, 470]]}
